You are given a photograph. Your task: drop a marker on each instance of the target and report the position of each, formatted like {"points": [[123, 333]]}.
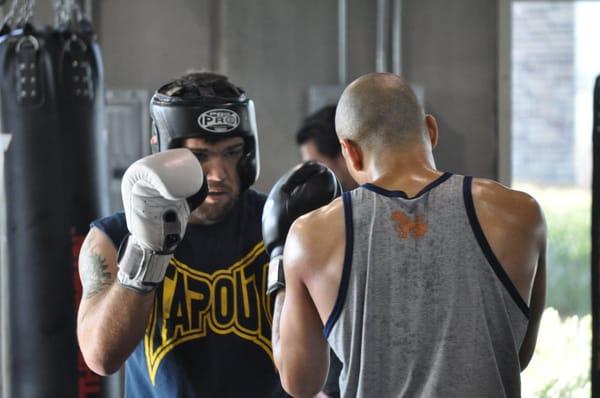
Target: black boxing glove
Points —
{"points": [[304, 188]]}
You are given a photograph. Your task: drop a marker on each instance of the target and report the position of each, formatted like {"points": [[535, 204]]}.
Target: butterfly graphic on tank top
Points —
{"points": [[407, 227]]}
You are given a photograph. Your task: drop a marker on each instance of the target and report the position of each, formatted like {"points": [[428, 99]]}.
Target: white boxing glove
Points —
{"points": [[155, 190]]}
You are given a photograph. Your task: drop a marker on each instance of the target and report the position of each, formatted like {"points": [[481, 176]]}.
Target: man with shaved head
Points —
{"points": [[424, 283]]}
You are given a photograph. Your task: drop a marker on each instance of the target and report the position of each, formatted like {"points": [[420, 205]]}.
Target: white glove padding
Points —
{"points": [[154, 191]]}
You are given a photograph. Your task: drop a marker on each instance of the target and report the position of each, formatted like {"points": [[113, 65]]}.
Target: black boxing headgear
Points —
{"points": [[205, 105]]}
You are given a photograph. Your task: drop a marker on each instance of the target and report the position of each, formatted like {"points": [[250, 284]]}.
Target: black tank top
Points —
{"points": [[209, 333]]}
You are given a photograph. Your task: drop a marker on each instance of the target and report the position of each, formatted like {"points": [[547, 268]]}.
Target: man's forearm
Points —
{"points": [[301, 374], [111, 319], [110, 329], [275, 338]]}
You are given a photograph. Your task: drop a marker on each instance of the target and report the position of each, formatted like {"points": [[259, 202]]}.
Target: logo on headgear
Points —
{"points": [[219, 120]]}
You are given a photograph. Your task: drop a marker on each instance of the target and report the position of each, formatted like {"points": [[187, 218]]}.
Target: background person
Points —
{"points": [[318, 142]]}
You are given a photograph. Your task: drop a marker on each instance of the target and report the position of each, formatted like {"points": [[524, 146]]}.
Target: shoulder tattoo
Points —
{"points": [[93, 268]]}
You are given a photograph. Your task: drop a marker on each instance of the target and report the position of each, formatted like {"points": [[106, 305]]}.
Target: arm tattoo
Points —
{"points": [[93, 270]]}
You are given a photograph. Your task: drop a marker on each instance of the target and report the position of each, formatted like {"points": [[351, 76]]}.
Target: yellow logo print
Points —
{"points": [[193, 303]]}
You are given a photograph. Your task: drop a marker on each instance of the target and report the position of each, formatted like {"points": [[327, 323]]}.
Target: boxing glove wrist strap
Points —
{"points": [[140, 268], [275, 278]]}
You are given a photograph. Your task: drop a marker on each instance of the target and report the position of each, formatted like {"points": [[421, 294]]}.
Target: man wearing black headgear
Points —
{"points": [[173, 289]]}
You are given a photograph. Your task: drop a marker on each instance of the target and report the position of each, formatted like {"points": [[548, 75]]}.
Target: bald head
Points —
{"points": [[380, 110]]}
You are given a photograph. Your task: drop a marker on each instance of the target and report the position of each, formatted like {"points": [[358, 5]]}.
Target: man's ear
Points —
{"points": [[353, 154], [432, 129]]}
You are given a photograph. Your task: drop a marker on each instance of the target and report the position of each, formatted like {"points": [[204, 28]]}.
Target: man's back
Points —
{"points": [[425, 307], [428, 293]]}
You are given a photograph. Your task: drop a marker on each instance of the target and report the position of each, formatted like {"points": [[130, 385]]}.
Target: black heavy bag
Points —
{"points": [[41, 322], [81, 98], [596, 245], [81, 109]]}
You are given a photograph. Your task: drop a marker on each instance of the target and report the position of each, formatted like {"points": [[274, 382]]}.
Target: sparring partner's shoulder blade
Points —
{"points": [[318, 228], [517, 211], [512, 224], [517, 207], [315, 249]]}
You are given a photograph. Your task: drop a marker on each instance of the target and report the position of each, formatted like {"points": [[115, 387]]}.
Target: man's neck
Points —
{"points": [[408, 171]]}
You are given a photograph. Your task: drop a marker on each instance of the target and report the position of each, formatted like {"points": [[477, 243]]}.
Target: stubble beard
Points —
{"points": [[211, 213]]}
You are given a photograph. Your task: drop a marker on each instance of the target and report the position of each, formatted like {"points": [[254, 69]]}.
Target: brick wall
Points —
{"points": [[543, 92]]}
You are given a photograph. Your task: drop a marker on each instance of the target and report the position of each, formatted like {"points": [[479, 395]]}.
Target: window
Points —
{"points": [[554, 63]]}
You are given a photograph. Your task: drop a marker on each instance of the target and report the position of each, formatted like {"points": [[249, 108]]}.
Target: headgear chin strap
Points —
{"points": [[176, 118]]}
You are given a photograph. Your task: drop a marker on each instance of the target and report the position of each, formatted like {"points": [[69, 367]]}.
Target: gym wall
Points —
{"points": [[278, 49]]}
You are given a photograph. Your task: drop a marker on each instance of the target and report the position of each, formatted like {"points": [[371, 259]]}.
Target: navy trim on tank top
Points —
{"points": [[343, 290], [486, 248], [402, 194], [115, 227]]}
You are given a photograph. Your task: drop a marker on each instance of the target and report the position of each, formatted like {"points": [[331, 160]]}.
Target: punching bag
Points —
{"points": [[81, 110], [41, 319], [52, 90], [596, 244]]}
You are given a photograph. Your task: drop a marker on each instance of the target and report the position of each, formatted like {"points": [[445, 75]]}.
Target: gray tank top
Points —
{"points": [[424, 307]]}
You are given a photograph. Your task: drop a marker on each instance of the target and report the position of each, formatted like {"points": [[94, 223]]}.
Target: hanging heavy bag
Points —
{"points": [[81, 112], [41, 322], [81, 109]]}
